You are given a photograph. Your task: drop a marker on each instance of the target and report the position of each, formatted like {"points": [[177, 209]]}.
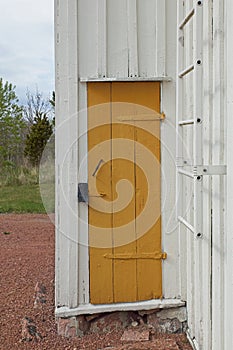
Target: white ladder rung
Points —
{"points": [[186, 19], [184, 222], [186, 122], [186, 71], [186, 173]]}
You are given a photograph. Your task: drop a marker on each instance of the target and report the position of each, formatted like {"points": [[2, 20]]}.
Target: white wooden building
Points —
{"points": [[105, 49]]}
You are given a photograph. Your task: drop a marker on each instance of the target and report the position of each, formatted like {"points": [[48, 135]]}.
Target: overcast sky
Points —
{"points": [[26, 45]]}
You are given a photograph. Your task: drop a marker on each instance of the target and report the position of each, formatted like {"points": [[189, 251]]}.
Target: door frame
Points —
{"points": [[169, 241], [171, 270], [126, 279], [72, 273]]}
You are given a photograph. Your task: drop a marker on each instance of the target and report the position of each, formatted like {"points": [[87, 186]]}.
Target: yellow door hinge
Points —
{"points": [[152, 256], [142, 117]]}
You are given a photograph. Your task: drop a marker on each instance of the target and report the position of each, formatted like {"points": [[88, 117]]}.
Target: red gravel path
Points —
{"points": [[27, 257]]}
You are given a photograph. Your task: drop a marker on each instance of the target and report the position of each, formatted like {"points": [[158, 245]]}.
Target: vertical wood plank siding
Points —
{"points": [[218, 156], [204, 276], [206, 314], [66, 153], [107, 39], [170, 239], [228, 329], [136, 38], [124, 38]]}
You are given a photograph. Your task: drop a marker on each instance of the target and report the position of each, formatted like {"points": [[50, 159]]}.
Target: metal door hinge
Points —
{"points": [[210, 170], [151, 256], [201, 170]]}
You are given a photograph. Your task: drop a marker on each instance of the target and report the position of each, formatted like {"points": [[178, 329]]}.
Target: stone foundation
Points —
{"points": [[158, 321]]}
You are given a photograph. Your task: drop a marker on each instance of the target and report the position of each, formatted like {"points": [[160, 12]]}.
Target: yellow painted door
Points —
{"points": [[124, 192]]}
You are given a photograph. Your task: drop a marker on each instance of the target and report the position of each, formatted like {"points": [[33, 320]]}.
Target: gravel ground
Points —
{"points": [[27, 258]]}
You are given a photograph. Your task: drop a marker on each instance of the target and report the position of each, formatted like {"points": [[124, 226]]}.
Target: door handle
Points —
{"points": [[97, 195], [97, 167]]}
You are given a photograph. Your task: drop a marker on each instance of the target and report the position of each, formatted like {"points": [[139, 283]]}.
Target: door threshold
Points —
{"points": [[101, 308]]}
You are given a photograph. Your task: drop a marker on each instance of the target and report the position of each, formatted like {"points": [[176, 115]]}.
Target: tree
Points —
{"points": [[37, 105], [12, 125], [39, 134], [52, 100], [52, 103]]}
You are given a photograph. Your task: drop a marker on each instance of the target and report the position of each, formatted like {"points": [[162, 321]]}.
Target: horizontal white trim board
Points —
{"points": [[137, 306], [115, 79]]}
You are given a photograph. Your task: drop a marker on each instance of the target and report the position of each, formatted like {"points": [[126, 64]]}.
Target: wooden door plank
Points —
{"points": [[145, 100], [149, 238], [124, 235], [99, 130], [149, 272]]}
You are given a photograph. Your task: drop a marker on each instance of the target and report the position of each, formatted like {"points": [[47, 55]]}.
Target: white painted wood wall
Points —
{"points": [[131, 39], [207, 264], [121, 39], [108, 40], [228, 275]]}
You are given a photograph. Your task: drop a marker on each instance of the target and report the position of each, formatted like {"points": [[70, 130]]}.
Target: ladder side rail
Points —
{"points": [[198, 116], [179, 111], [179, 152], [198, 161]]}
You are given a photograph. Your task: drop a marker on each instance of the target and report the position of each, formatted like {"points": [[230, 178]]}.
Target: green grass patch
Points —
{"points": [[25, 199]]}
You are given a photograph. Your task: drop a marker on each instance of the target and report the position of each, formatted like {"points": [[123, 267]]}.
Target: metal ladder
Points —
{"points": [[196, 169]]}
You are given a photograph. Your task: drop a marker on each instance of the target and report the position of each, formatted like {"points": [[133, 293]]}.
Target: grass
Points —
{"points": [[26, 199], [21, 175]]}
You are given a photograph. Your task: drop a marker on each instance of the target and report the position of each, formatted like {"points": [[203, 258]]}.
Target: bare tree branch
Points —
{"points": [[36, 105]]}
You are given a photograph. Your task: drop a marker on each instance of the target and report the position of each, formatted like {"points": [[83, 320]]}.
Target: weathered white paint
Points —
{"points": [[83, 267], [198, 160], [179, 156], [66, 155], [132, 38], [88, 42], [147, 38], [162, 18], [106, 40], [142, 305], [102, 38], [62, 295], [188, 138], [207, 181], [207, 273], [168, 157], [114, 79], [228, 292], [121, 39], [218, 232]]}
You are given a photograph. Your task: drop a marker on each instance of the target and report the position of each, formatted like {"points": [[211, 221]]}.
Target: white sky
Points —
{"points": [[26, 45]]}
